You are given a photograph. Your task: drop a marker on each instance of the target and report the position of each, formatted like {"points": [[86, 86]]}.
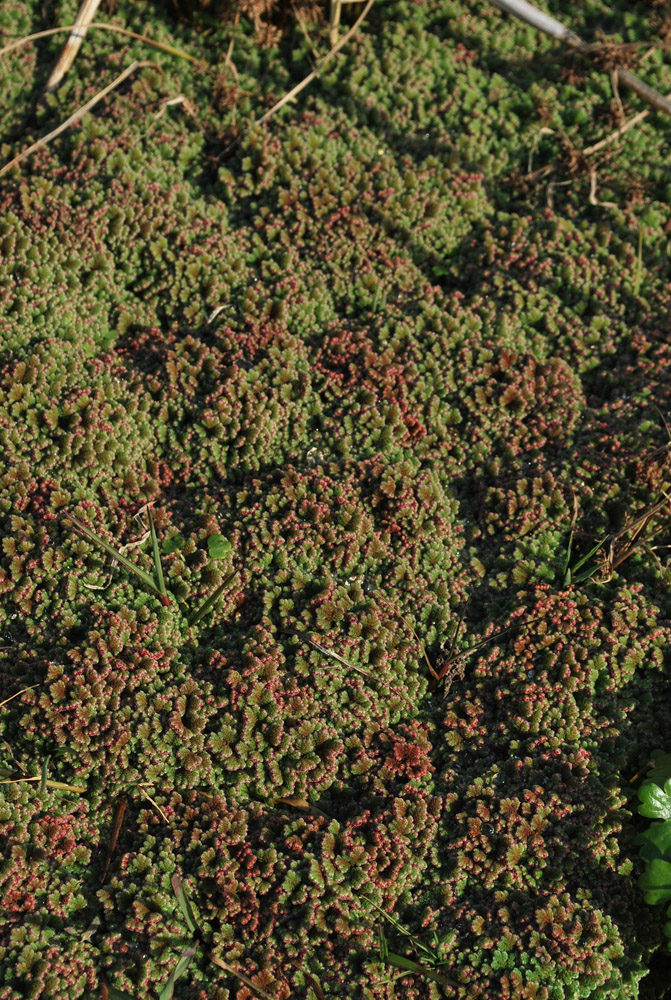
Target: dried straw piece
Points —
{"points": [[87, 12]]}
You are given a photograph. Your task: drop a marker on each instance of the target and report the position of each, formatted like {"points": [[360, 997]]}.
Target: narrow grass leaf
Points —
{"points": [[399, 962], [566, 569], [118, 994], [45, 774], [210, 602], [158, 569], [126, 563], [585, 558], [639, 262], [181, 967], [185, 905]]}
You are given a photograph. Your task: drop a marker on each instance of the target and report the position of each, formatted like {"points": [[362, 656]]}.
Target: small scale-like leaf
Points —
{"points": [[656, 882], [218, 546], [655, 842], [656, 801]]}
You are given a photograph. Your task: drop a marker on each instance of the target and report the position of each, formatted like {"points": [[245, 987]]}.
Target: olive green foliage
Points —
{"points": [[408, 384]]}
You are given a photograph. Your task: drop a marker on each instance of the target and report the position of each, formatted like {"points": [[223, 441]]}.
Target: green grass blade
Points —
{"points": [[181, 967], [382, 941], [118, 994], [210, 602], [581, 562], [399, 962], [126, 563], [587, 575], [639, 262], [566, 570], [157, 557], [45, 774], [185, 905]]}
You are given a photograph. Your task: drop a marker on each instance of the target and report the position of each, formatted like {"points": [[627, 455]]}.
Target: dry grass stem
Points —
{"points": [[17, 693], [119, 813], [328, 652], [87, 12], [155, 804], [162, 46]]}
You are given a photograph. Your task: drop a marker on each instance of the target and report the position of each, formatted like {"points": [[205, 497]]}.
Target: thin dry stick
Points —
{"points": [[328, 652], [304, 29], [170, 49], [155, 804], [311, 979], [86, 14], [17, 693], [77, 115], [311, 76], [119, 814], [122, 549], [550, 26], [549, 168]]}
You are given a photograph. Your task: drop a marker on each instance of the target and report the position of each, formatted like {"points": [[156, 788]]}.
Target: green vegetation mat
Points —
{"points": [[413, 378]]}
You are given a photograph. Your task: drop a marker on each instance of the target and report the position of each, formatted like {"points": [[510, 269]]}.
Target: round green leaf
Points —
{"points": [[656, 882], [656, 801], [218, 546], [655, 842], [172, 544]]}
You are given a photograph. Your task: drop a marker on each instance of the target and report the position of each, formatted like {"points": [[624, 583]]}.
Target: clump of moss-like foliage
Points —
{"points": [[363, 349]]}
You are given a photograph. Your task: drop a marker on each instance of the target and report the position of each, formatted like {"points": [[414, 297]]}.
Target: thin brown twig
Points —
{"points": [[45, 140], [304, 28], [155, 804], [319, 993], [549, 168], [17, 693], [328, 652], [454, 659], [119, 812]]}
